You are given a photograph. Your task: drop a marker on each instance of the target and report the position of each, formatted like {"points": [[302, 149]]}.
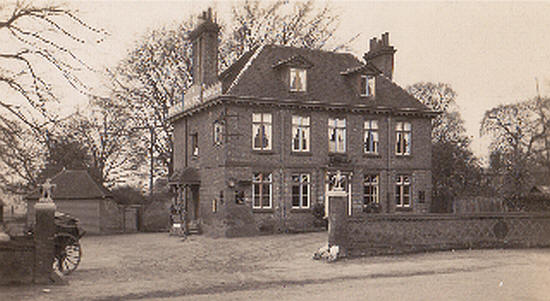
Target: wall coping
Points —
{"points": [[446, 216]]}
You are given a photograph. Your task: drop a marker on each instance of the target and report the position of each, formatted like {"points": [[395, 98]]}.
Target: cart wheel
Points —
{"points": [[67, 253]]}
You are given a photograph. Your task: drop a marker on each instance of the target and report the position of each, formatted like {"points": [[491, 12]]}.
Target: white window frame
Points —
{"points": [[195, 144], [218, 130], [402, 182], [371, 135], [300, 131], [403, 138], [368, 85], [336, 128], [302, 74], [372, 181], [262, 121], [304, 190], [261, 179]]}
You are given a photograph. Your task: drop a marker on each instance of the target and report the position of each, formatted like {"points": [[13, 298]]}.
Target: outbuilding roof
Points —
{"points": [[74, 185]]}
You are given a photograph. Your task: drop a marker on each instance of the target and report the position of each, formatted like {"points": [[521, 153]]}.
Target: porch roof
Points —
{"points": [[187, 176]]}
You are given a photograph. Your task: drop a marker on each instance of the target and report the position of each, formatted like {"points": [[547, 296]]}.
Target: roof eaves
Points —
{"points": [[104, 192], [394, 84], [246, 66]]}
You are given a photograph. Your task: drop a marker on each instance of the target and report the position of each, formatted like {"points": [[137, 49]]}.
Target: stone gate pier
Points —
{"points": [[29, 259]]}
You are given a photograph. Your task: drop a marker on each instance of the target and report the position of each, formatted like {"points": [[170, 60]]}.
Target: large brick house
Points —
{"points": [[257, 146]]}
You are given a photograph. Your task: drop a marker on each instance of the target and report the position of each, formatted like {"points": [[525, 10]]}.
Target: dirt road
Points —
{"points": [[159, 267]]}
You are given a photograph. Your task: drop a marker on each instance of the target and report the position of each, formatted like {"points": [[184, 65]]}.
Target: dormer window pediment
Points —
{"points": [[296, 61]]}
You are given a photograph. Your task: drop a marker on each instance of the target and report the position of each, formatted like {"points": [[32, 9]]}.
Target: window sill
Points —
{"points": [[300, 210], [371, 155], [305, 154], [263, 152], [403, 209], [334, 154], [262, 210], [403, 156]]}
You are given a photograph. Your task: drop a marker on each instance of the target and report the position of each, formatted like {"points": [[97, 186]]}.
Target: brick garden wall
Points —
{"points": [[401, 233], [17, 258]]}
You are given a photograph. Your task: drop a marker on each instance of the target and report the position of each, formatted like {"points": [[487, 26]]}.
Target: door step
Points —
{"points": [[194, 228]]}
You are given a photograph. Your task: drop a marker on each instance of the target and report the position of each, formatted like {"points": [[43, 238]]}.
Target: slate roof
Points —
{"points": [[253, 75], [73, 185]]}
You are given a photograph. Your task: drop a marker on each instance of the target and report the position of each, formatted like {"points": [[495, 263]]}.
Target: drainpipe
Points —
{"points": [[388, 163], [186, 140], [281, 171]]}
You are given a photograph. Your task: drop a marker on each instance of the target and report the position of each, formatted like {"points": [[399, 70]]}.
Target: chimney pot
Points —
{"points": [[205, 49], [386, 39], [381, 54], [372, 45]]}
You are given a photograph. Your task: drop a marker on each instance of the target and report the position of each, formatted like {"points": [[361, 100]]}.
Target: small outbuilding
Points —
{"points": [[77, 194], [538, 198]]}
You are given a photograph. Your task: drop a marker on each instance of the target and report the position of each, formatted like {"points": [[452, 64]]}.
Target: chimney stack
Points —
{"points": [[205, 49], [381, 54]]}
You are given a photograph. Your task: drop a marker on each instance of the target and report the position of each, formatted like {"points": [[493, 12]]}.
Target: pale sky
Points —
{"points": [[490, 52]]}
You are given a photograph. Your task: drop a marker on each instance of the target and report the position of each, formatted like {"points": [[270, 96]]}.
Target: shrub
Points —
{"points": [[319, 213]]}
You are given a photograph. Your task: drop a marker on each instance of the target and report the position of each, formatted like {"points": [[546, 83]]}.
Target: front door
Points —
{"points": [[194, 203]]}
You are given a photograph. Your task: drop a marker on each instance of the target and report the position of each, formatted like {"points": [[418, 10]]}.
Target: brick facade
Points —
{"points": [[235, 160], [258, 83]]}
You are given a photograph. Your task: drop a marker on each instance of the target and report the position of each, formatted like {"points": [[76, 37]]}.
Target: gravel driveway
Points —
{"points": [[157, 266]]}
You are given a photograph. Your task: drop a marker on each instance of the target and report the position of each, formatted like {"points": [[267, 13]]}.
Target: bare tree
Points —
{"points": [[300, 24], [156, 73], [37, 52], [21, 157], [519, 146], [35, 40], [455, 169], [440, 97]]}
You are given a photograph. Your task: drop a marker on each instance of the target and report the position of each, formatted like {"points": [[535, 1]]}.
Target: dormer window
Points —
{"points": [[298, 80], [367, 85]]}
